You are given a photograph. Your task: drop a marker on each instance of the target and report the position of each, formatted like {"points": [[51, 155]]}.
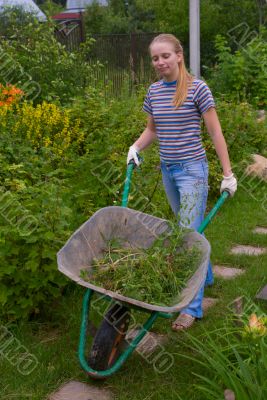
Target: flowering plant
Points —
{"points": [[256, 327], [9, 94]]}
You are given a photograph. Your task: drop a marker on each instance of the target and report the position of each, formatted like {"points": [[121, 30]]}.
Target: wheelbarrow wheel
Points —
{"points": [[108, 342]]}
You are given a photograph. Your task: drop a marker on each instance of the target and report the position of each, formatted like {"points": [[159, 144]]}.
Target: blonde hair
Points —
{"points": [[184, 77]]}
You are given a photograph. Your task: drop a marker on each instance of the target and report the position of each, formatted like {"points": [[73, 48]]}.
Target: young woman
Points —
{"points": [[175, 105]]}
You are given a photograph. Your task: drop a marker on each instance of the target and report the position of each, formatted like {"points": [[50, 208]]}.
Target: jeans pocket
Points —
{"points": [[197, 169]]}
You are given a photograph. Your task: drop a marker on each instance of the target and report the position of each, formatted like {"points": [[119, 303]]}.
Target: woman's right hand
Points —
{"points": [[133, 155]]}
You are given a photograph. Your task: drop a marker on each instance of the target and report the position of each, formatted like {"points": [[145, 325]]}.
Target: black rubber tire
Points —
{"points": [[108, 342]]}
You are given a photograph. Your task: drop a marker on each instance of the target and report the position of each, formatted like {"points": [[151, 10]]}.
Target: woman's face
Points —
{"points": [[165, 60]]}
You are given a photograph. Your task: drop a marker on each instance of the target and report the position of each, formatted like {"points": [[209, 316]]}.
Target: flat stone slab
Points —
{"points": [[75, 390], [248, 250], [208, 302], [226, 272], [229, 395], [149, 343], [262, 294], [261, 230]]}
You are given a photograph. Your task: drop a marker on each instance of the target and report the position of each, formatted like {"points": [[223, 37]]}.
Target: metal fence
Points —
{"points": [[125, 62], [120, 62]]}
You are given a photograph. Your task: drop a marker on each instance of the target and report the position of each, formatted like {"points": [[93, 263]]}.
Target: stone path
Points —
{"points": [[251, 250], [248, 250], [227, 272], [229, 395], [254, 251], [261, 230], [208, 302], [75, 390], [262, 294], [149, 343]]}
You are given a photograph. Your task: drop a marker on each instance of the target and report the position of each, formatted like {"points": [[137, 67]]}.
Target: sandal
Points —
{"points": [[183, 322]]}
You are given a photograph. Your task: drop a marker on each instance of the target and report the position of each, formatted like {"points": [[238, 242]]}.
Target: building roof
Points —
{"points": [[26, 5], [74, 8], [67, 15], [80, 5]]}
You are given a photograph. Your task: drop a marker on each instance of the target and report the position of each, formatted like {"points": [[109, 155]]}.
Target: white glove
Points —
{"points": [[133, 154], [229, 183]]}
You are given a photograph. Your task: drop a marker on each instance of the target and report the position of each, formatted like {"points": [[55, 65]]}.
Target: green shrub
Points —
{"points": [[242, 76], [36, 211], [32, 58], [34, 224], [244, 136]]}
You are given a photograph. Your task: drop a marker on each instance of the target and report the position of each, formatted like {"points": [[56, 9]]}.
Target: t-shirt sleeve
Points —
{"points": [[203, 98], [147, 104]]}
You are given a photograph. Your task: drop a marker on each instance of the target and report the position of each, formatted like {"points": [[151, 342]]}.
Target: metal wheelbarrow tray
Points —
{"points": [[130, 227]]}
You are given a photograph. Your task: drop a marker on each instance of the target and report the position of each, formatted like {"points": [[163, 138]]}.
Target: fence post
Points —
{"points": [[82, 28], [133, 58]]}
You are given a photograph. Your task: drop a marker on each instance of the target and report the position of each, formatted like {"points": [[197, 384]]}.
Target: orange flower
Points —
{"points": [[10, 94], [2, 103]]}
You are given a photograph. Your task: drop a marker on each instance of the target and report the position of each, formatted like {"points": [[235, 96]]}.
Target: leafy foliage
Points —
{"points": [[233, 358], [242, 76], [34, 223], [50, 7], [45, 125], [34, 60], [216, 17]]}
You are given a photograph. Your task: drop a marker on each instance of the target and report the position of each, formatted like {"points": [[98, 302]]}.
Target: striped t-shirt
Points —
{"points": [[178, 130]]}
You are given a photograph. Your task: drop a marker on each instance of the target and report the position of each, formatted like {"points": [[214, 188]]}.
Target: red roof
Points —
{"points": [[65, 16]]}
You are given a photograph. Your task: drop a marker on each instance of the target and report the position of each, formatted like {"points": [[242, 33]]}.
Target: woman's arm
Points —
{"points": [[148, 136], [214, 129], [213, 125]]}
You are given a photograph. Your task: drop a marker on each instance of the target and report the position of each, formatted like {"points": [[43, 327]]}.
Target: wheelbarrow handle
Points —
{"points": [[214, 211], [127, 183], [130, 167]]}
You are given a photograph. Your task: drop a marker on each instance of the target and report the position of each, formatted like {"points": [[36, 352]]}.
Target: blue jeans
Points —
{"points": [[186, 187]]}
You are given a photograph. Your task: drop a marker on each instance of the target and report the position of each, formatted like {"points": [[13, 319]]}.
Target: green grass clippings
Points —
{"points": [[155, 275]]}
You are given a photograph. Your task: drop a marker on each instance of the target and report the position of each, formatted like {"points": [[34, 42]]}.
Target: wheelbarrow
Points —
{"points": [[110, 349]]}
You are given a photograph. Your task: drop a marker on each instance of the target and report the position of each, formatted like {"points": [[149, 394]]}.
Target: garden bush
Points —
{"points": [[33, 59], [38, 145], [242, 75], [34, 224], [45, 125]]}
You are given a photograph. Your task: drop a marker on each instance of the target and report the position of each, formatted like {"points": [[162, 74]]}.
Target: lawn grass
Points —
{"points": [[54, 342]]}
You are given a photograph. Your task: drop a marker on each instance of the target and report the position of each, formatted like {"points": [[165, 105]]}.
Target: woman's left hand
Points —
{"points": [[229, 183]]}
